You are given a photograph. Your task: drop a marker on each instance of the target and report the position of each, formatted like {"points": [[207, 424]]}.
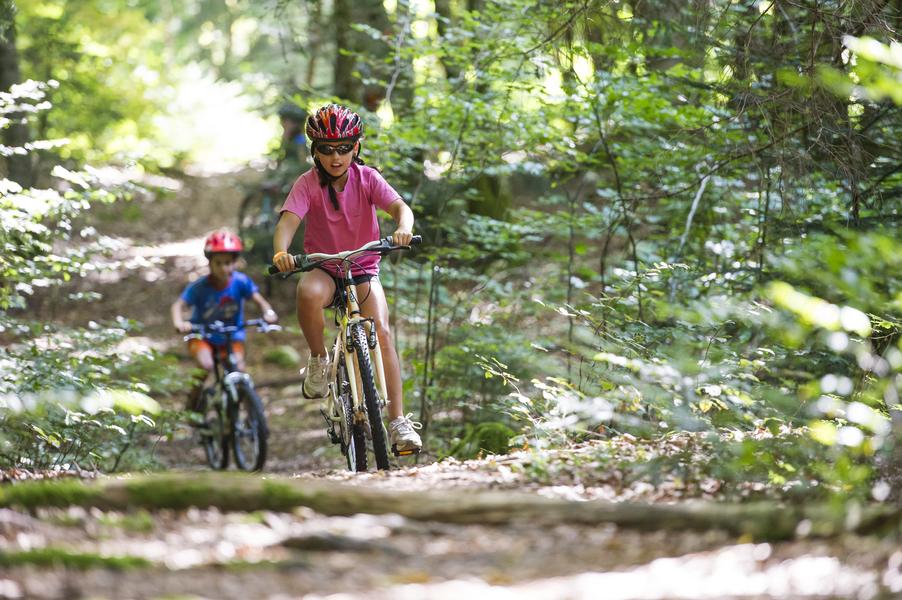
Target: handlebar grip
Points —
{"points": [[417, 239], [298, 260]]}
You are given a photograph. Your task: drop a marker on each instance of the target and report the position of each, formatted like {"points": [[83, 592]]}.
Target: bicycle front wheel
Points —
{"points": [[371, 398], [213, 435], [353, 439], [250, 432]]}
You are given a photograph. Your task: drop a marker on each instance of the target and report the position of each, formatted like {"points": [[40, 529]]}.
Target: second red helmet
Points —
{"points": [[334, 123], [223, 241]]}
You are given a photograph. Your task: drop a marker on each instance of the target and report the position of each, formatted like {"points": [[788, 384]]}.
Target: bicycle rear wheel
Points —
{"points": [[213, 437], [371, 398], [353, 439], [250, 432]]}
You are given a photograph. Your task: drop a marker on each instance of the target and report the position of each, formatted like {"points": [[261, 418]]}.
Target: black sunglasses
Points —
{"points": [[327, 150]]}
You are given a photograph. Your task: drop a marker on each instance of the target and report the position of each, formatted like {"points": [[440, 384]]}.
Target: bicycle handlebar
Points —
{"points": [[306, 262], [202, 330]]}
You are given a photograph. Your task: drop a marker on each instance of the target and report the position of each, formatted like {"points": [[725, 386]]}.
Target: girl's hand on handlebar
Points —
{"points": [[283, 262], [183, 327], [270, 316], [401, 237]]}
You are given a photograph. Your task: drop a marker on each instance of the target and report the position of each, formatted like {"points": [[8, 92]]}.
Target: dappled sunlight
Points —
{"points": [[191, 248], [730, 572], [140, 344], [149, 261]]}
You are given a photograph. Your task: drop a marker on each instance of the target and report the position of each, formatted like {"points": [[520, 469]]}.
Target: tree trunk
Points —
{"points": [[373, 52], [358, 51], [346, 86], [18, 167], [446, 17]]}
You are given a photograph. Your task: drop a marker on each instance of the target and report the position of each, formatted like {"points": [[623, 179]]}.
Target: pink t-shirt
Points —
{"points": [[352, 225]]}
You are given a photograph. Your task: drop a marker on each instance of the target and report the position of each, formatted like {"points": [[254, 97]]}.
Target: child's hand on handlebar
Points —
{"points": [[283, 261], [183, 326], [270, 316], [401, 237]]}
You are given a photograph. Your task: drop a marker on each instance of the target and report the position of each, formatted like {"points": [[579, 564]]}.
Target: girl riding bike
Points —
{"points": [[339, 197]]}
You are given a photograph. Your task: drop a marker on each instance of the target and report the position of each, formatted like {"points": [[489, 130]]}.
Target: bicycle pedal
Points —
{"points": [[408, 452]]}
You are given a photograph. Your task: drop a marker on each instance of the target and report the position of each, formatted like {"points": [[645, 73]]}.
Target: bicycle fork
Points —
{"points": [[375, 360]]}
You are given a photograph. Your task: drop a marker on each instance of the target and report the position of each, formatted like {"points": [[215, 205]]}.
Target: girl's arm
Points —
{"points": [[269, 315], [285, 229], [403, 216]]}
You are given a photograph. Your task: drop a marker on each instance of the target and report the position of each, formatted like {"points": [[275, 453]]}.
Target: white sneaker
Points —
{"points": [[315, 384], [403, 435]]}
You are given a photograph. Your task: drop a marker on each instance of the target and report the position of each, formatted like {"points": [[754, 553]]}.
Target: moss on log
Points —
{"points": [[59, 557], [240, 492]]}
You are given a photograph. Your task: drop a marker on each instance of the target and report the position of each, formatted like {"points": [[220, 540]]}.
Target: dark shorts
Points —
{"points": [[357, 279]]}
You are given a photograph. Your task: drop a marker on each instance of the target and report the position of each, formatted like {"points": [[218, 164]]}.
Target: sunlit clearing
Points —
{"points": [[213, 124], [766, 7], [435, 170], [552, 84], [583, 67], [386, 114]]}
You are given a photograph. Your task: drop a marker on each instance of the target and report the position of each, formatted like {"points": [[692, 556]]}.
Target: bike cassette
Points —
{"points": [[409, 452]]}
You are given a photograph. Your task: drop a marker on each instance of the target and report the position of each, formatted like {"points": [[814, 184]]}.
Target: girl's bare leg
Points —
{"points": [[315, 292]]}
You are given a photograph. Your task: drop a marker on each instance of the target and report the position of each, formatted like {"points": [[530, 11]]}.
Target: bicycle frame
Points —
{"points": [[225, 374], [239, 411], [349, 315]]}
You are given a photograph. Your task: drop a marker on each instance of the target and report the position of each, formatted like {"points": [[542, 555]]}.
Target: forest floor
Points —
{"points": [[207, 553]]}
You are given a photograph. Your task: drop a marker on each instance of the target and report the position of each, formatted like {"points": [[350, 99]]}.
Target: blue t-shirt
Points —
{"points": [[226, 305]]}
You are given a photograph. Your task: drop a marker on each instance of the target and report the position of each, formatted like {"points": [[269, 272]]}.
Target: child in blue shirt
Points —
{"points": [[219, 296]]}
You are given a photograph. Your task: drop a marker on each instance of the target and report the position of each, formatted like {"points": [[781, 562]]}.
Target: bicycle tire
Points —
{"points": [[371, 398], [214, 440], [353, 438], [249, 425]]}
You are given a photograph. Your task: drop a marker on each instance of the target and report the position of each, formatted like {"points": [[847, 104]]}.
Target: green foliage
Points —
{"points": [[876, 71], [107, 62], [796, 390], [484, 438], [70, 398]]}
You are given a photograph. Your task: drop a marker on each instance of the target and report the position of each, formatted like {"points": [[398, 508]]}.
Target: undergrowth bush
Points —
{"points": [[70, 398]]}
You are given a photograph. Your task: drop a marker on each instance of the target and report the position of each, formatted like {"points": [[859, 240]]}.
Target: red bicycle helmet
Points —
{"points": [[222, 241], [334, 123]]}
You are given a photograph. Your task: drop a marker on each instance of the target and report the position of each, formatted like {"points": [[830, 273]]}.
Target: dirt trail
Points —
{"points": [[66, 553]]}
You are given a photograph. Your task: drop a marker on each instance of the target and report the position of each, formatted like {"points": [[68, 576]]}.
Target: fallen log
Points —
{"points": [[241, 492]]}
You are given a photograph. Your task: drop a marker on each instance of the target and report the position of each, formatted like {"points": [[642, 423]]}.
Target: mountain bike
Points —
{"points": [[232, 410], [357, 393]]}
